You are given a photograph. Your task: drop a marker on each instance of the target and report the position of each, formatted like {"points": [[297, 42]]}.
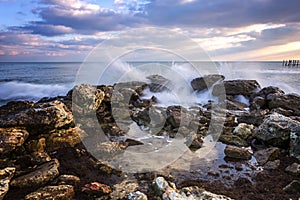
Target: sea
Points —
{"points": [[35, 80]]}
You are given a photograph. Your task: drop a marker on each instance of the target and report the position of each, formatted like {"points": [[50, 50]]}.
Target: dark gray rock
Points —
{"points": [[265, 155], [237, 87], [206, 81]]}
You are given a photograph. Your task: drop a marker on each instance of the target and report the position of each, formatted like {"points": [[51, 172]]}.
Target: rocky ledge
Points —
{"points": [[43, 152]]}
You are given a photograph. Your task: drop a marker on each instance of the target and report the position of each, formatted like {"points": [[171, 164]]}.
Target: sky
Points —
{"points": [[227, 30]]}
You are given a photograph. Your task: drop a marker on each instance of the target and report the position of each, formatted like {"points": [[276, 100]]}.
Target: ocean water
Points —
{"points": [[32, 81]]}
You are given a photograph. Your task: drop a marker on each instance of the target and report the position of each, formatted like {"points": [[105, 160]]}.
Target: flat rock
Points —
{"points": [[265, 155], [293, 169], [5, 177], [288, 102], [61, 192], [11, 138], [39, 177], [233, 140], [206, 81], [237, 153], [236, 87]]}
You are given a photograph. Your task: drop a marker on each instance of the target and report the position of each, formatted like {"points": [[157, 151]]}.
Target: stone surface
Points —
{"points": [[68, 179], [276, 130], [61, 192], [39, 177], [159, 83], [5, 177], [237, 87], [293, 169], [196, 193], [233, 140], [123, 189], [96, 189], [243, 130], [36, 118], [293, 187], [265, 155], [11, 138], [137, 196], [237, 153], [206, 81], [288, 101], [272, 164], [294, 145]]}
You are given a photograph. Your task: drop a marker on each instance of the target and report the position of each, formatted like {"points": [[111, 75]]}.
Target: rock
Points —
{"points": [[265, 155], [255, 118], [293, 187], [36, 118], [164, 190], [237, 87], [266, 91], [107, 150], [63, 138], [206, 81], [61, 192], [272, 164], [288, 102], [293, 169], [258, 103], [159, 83], [276, 130], [243, 130], [11, 138], [68, 179], [235, 105], [39, 177], [294, 150], [137, 196], [196, 193], [237, 153], [5, 177], [124, 189], [96, 189], [196, 141], [37, 145], [233, 140]]}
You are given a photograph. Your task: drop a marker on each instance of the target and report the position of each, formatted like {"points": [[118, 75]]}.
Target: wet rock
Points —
{"points": [[63, 138], [5, 177], [61, 192], [255, 118], [38, 118], [40, 176], [11, 138], [237, 87], [293, 187], [159, 83], [276, 129], [195, 141], [288, 102], [137, 86], [237, 153], [137, 196], [196, 193], [206, 81], [293, 169], [272, 164], [124, 189], [235, 105], [258, 103], [107, 150], [164, 190], [68, 179], [233, 140], [96, 189], [243, 130], [265, 155], [294, 150]]}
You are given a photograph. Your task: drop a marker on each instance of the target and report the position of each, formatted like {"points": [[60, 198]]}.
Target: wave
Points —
{"points": [[14, 90]]}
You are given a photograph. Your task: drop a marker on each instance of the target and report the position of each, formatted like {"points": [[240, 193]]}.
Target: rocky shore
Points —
{"points": [[44, 154]]}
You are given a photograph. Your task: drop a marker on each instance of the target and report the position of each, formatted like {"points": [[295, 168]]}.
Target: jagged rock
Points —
{"points": [[243, 130], [255, 118], [61, 192], [294, 150], [37, 145], [159, 83], [63, 138], [196, 193], [11, 138], [206, 81], [293, 169], [107, 150], [5, 177], [258, 103], [124, 189], [276, 129], [288, 102], [237, 153], [265, 155], [36, 118], [272, 164], [37, 178], [233, 140], [235, 105], [137, 196], [293, 187], [236, 87], [68, 179], [164, 190], [96, 189]]}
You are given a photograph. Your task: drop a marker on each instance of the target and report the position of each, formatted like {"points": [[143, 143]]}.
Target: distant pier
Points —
{"points": [[291, 63]]}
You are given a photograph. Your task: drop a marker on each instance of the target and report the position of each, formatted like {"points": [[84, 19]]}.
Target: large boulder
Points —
{"points": [[276, 130], [5, 177], [39, 177], [288, 102], [11, 138], [206, 81], [159, 83], [36, 117], [61, 192], [237, 87]]}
